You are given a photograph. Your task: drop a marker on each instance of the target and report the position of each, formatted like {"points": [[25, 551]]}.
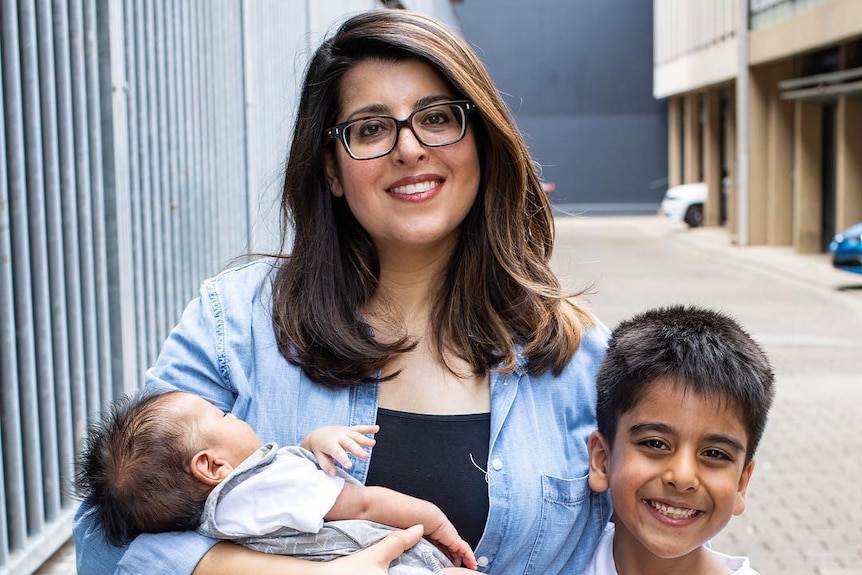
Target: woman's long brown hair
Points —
{"points": [[498, 295]]}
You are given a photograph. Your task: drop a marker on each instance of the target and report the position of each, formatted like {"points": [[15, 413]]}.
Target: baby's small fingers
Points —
{"points": [[325, 463], [374, 428], [363, 440], [340, 455], [354, 446]]}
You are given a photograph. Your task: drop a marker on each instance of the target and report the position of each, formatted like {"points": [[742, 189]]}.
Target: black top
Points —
{"points": [[437, 458]]}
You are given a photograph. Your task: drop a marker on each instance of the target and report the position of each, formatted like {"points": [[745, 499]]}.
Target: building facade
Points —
{"points": [[577, 76], [765, 106]]}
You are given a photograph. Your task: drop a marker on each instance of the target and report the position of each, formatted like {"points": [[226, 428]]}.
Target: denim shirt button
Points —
{"points": [[497, 464], [482, 561]]}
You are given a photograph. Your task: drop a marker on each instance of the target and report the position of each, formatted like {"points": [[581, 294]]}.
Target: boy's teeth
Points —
{"points": [[673, 512]]}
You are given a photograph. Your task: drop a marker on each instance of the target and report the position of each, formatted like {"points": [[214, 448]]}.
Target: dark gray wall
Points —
{"points": [[578, 76]]}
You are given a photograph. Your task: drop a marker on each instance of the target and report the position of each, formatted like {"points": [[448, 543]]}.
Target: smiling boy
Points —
{"points": [[683, 397]]}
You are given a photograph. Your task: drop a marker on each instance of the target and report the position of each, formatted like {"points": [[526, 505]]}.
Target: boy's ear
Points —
{"points": [[599, 455], [332, 173], [739, 505], [208, 468]]}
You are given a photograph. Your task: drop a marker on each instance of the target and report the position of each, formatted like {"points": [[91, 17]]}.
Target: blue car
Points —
{"points": [[846, 249]]}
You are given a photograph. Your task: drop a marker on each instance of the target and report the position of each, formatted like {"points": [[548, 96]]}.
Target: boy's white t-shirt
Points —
{"points": [[290, 492], [602, 562]]}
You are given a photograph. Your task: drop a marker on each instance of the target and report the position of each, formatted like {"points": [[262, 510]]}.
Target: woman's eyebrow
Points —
{"points": [[382, 110], [369, 110]]}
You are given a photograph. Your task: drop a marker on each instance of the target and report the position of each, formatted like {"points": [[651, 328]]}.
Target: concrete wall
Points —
{"points": [[578, 76]]}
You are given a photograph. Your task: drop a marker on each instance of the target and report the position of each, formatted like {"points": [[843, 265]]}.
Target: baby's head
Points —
{"points": [[683, 397], [151, 461]]}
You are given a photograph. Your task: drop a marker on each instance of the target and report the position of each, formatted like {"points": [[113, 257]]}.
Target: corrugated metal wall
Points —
{"points": [[141, 148], [53, 285], [125, 179]]}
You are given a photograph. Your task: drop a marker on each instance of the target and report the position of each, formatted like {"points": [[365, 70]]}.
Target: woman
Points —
{"points": [[418, 295]]}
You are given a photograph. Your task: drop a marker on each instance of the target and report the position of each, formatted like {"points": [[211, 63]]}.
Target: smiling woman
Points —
{"points": [[418, 295], [408, 196]]}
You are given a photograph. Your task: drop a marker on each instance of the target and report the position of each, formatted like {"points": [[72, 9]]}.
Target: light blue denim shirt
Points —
{"points": [[543, 518]]}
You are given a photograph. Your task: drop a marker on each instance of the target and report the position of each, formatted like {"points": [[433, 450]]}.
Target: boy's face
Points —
{"points": [[676, 472], [232, 439]]}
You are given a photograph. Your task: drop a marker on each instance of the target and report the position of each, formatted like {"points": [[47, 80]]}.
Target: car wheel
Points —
{"points": [[694, 216]]}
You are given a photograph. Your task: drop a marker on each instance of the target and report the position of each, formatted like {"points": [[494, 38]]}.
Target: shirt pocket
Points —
{"points": [[570, 524]]}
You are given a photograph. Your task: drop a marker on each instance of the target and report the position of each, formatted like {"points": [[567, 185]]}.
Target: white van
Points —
{"points": [[684, 203]]}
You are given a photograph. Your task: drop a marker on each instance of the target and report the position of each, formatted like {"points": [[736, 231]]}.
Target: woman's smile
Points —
{"points": [[414, 189]]}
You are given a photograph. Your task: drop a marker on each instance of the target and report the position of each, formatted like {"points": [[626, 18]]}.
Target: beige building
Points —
{"points": [[765, 106]]}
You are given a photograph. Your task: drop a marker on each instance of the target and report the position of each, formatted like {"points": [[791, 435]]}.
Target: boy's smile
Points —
{"points": [[676, 472]]}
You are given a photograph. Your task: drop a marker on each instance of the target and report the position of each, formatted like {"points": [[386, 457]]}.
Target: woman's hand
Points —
{"points": [[333, 443], [231, 559], [375, 560]]}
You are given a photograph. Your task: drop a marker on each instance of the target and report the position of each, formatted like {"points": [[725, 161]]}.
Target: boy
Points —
{"points": [[683, 395], [174, 461]]}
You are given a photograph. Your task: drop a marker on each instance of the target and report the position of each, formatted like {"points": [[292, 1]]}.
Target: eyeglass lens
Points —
{"points": [[438, 125]]}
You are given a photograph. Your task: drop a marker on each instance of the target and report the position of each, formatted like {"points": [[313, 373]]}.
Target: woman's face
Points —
{"points": [[415, 197]]}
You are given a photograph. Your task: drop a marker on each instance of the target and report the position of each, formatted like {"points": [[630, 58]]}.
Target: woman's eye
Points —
{"points": [[436, 118], [371, 129]]}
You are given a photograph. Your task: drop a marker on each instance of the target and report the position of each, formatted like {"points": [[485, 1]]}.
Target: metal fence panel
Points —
{"points": [[141, 144], [123, 183]]}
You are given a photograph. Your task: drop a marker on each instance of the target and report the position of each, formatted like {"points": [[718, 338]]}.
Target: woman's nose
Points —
{"points": [[408, 148]]}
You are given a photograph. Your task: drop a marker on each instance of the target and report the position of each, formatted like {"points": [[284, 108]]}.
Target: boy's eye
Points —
{"points": [[716, 454], [653, 443]]}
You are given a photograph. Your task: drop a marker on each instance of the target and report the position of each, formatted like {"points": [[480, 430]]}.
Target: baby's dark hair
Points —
{"points": [[135, 469], [694, 349]]}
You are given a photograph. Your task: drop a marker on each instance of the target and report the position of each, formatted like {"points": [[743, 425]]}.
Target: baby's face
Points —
{"points": [[231, 438], [677, 471]]}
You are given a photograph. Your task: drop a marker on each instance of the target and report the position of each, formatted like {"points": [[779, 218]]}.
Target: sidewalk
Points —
{"points": [[811, 271], [802, 518], [61, 563]]}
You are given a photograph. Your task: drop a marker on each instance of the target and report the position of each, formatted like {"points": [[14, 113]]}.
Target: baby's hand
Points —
{"points": [[446, 538], [330, 444]]}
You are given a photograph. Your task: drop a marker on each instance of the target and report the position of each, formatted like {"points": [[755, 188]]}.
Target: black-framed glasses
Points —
{"points": [[435, 125]]}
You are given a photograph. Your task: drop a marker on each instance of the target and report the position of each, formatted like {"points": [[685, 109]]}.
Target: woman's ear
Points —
{"points": [[332, 173], [208, 468], [599, 456]]}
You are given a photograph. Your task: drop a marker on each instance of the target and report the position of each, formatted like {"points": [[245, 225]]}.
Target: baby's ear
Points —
{"points": [[599, 455], [208, 468], [742, 486]]}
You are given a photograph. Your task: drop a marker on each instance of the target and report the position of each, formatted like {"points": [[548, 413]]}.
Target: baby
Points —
{"points": [[174, 461]]}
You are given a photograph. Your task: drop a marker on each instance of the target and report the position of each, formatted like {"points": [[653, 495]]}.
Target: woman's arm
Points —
{"points": [[228, 559]]}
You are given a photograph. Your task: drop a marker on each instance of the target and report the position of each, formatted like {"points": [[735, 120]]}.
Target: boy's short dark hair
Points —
{"points": [[135, 469], [691, 347]]}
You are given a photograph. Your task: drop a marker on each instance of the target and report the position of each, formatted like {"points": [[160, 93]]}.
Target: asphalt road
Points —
{"points": [[804, 504]]}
